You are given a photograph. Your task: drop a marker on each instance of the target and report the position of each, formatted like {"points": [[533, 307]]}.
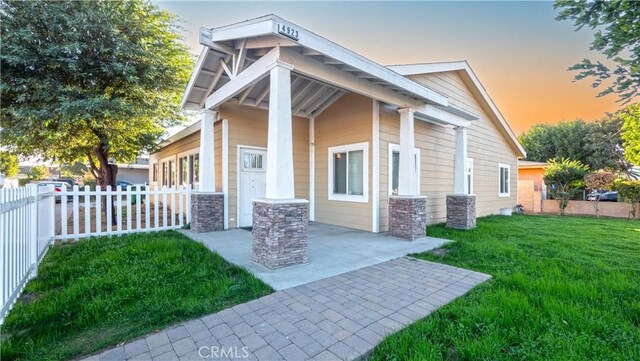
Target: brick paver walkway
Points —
{"points": [[337, 318]]}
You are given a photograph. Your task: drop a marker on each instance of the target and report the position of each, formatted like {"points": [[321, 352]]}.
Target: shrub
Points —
{"points": [[630, 191], [564, 178]]}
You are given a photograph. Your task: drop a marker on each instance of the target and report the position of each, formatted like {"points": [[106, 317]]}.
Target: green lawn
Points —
{"points": [[96, 293], [564, 288]]}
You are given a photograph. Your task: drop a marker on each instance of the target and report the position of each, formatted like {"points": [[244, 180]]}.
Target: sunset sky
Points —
{"points": [[517, 49]]}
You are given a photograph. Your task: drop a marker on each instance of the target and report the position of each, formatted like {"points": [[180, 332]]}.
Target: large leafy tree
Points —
{"points": [[9, 164], [596, 144], [617, 36], [90, 81], [631, 133]]}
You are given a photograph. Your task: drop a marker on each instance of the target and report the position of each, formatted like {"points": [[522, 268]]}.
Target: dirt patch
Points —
{"points": [[27, 298]]}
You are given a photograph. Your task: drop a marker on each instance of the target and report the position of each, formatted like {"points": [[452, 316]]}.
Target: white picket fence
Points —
{"points": [[27, 228], [137, 209], [28, 222]]}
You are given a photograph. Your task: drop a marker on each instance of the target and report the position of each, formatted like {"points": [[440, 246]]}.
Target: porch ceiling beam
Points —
{"points": [[328, 102], [263, 94], [253, 74], [226, 68], [242, 54], [319, 101], [245, 94], [319, 92], [207, 72], [213, 84], [302, 93], [341, 79]]}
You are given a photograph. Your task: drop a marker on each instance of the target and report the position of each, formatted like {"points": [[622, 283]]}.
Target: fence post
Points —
{"points": [[33, 236]]}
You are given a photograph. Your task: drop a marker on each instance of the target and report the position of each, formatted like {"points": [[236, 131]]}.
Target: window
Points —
{"points": [[504, 180], [349, 173], [164, 173], [183, 170], [154, 173], [194, 161], [394, 167], [469, 176], [172, 173], [252, 161]]}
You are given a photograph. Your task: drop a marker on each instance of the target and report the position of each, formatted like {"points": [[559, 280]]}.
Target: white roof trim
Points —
{"points": [[426, 68], [195, 127], [269, 25]]}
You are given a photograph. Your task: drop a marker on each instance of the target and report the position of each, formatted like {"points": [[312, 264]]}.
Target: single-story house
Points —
{"points": [[531, 187], [296, 128]]}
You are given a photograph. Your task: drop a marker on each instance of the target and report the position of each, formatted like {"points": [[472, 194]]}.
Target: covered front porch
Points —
{"points": [[332, 250], [271, 64]]}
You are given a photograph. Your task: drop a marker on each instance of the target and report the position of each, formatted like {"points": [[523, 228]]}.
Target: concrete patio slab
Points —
{"points": [[332, 251], [338, 318]]}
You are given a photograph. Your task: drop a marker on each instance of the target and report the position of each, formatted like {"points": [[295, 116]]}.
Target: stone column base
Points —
{"points": [[207, 212], [280, 232], [461, 211], [407, 216]]}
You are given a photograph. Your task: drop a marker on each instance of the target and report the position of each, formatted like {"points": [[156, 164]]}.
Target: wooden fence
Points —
{"points": [[27, 228]]}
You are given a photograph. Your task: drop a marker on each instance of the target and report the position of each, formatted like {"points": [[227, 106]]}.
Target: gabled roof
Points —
{"points": [[466, 71], [528, 164]]}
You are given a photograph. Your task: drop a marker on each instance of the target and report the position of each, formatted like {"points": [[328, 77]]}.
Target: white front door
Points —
{"points": [[253, 165]]}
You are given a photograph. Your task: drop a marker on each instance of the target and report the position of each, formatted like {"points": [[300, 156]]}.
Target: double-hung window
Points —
{"points": [[165, 174], [154, 173], [183, 170], [172, 173], [349, 173], [394, 168], [504, 178]]}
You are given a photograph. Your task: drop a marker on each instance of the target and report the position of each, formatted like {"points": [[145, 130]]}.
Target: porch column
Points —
{"points": [[207, 170], [460, 180], [280, 221], [207, 206], [461, 207], [407, 210]]}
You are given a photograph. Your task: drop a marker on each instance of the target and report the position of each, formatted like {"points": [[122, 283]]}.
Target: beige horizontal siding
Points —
{"points": [[348, 121], [487, 146]]}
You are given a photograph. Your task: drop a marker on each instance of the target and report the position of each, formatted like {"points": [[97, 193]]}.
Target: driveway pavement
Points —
{"points": [[337, 318]]}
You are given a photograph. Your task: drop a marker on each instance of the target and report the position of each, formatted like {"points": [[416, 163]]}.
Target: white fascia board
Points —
{"points": [[337, 52], [194, 76], [441, 115], [269, 25], [251, 75], [424, 68], [195, 127], [333, 76]]}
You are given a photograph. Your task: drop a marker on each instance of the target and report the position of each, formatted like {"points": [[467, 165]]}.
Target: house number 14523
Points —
{"points": [[288, 31]]}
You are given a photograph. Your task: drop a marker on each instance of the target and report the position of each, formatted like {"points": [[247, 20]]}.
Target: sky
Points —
{"points": [[517, 49]]}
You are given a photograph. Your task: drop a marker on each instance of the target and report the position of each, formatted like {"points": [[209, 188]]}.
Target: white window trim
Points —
{"points": [[470, 173], [396, 148], [364, 198], [162, 161], [500, 167], [186, 153]]}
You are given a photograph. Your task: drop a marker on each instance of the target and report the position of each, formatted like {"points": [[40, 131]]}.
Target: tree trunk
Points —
{"points": [[106, 175]]}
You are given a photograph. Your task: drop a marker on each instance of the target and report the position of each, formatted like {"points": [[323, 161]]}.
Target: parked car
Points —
{"points": [[57, 187], [594, 195], [609, 197], [69, 181]]}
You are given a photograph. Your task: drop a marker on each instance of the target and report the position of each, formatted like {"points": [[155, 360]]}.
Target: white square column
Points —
{"points": [[280, 184], [280, 222], [460, 180], [207, 171], [407, 185]]}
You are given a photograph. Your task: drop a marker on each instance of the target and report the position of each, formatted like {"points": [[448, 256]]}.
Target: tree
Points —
{"points": [[38, 172], [597, 181], [617, 36], [631, 133], [563, 179], [90, 81], [9, 164], [74, 170], [630, 191], [596, 144]]}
